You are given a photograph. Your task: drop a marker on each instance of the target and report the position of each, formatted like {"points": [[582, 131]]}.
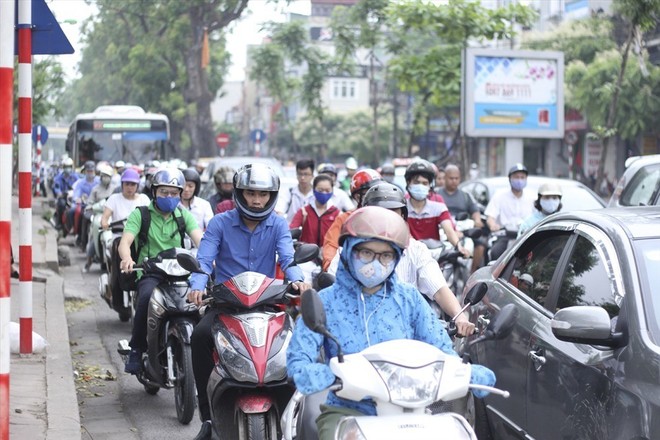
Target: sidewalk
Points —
{"points": [[43, 402]]}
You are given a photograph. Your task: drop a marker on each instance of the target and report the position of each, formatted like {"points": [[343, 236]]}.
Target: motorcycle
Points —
{"points": [[499, 241], [95, 212], [168, 360], [403, 377], [248, 385], [110, 289]]}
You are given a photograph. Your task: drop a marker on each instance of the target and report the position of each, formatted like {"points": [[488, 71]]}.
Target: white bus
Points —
{"points": [[119, 132]]}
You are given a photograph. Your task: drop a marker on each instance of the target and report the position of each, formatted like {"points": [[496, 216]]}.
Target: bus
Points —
{"points": [[119, 132]]}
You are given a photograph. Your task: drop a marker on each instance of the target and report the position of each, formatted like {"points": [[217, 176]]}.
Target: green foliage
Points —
{"points": [[47, 86]]}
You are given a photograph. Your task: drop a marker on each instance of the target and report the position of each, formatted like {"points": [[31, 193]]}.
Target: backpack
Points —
{"points": [[128, 281]]}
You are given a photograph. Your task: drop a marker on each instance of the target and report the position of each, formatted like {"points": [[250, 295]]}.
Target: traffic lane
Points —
{"points": [[113, 404]]}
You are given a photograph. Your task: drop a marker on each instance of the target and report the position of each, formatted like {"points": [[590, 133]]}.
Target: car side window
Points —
{"points": [[640, 191], [534, 266], [586, 281]]}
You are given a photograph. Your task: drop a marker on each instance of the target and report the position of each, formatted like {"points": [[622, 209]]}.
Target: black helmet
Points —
{"points": [[89, 165], [191, 175], [518, 167], [421, 167], [386, 195], [258, 177]]}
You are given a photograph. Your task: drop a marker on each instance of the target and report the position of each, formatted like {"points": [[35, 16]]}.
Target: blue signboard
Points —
{"points": [[44, 134], [47, 35], [257, 135]]}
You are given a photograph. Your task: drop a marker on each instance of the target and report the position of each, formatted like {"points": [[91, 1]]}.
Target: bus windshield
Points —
{"points": [[97, 145]]}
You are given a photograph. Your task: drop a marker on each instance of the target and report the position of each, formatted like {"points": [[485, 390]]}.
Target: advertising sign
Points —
{"points": [[513, 94]]}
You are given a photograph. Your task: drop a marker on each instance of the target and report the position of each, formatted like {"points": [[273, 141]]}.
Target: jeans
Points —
{"points": [[202, 346], [145, 287]]}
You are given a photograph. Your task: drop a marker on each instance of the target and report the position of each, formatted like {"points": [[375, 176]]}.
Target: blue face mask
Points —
{"points": [[518, 184], [418, 191], [549, 206], [371, 274], [322, 198], [167, 204]]}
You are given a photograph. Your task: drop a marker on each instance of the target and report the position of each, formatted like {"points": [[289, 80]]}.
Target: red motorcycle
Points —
{"points": [[248, 387]]}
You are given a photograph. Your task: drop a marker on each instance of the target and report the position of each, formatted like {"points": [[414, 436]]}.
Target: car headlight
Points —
{"points": [[172, 267], [418, 386], [348, 429], [234, 363]]}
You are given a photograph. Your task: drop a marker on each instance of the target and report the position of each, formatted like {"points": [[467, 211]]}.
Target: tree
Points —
{"points": [[47, 86], [149, 53]]}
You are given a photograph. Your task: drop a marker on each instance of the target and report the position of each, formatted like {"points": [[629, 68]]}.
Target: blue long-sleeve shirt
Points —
{"points": [[64, 182], [396, 311], [236, 249], [84, 186]]}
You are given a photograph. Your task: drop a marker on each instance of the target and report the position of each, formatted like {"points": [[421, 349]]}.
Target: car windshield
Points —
{"points": [[643, 188], [648, 255]]}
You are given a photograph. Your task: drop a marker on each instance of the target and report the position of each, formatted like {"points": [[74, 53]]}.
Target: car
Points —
{"points": [[576, 195], [640, 183], [582, 360], [235, 162]]}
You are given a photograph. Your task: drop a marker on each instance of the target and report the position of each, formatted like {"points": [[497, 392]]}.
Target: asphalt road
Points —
{"points": [[113, 404]]}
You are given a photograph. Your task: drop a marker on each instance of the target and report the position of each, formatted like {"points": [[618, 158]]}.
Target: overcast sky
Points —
{"points": [[243, 33]]}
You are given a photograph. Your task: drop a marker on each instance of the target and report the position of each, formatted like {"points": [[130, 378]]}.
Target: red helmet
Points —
{"points": [[375, 222], [364, 179]]}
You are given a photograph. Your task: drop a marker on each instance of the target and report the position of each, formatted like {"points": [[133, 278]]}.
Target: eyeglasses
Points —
{"points": [[367, 256], [168, 193]]}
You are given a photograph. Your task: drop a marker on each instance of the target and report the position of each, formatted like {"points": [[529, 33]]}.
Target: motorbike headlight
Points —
{"points": [[276, 367], [172, 267], [348, 429], [234, 363], [417, 386]]}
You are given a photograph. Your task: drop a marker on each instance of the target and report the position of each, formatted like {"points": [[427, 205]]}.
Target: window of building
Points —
{"points": [[344, 89]]}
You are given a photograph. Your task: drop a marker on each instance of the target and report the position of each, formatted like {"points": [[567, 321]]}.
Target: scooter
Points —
{"points": [[248, 386], [168, 360], [403, 377], [110, 289], [95, 213]]}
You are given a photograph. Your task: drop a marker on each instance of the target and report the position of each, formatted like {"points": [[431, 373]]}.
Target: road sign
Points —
{"points": [[257, 136], [47, 35], [571, 137], [43, 135], [222, 140]]}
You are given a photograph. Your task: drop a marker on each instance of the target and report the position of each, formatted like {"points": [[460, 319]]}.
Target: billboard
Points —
{"points": [[513, 93]]}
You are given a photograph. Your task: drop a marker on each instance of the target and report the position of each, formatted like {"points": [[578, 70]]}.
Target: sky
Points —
{"points": [[241, 33]]}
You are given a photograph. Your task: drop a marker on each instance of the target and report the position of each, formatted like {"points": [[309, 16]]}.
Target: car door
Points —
{"points": [[568, 387], [537, 258]]}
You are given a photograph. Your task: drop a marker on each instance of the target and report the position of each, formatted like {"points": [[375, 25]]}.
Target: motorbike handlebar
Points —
{"points": [[491, 390]]}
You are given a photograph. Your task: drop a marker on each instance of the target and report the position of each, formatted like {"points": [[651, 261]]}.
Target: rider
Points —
{"points": [[548, 202], [81, 191], [509, 207], [300, 195], [339, 197], [366, 305], [190, 200], [62, 184], [426, 216], [100, 192], [223, 185], [120, 165], [247, 238], [315, 218], [167, 186], [460, 202], [351, 167], [120, 205], [417, 266]]}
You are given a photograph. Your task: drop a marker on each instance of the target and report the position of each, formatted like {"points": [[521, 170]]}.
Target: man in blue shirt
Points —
{"points": [[81, 191], [62, 183], [246, 238]]}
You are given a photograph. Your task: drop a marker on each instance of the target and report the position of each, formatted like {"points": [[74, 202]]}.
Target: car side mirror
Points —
{"points": [[585, 325]]}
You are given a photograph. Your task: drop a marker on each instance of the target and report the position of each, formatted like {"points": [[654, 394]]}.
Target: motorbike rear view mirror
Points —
{"points": [[189, 263], [304, 253], [313, 315], [462, 216], [295, 233], [501, 325], [325, 279], [476, 294]]}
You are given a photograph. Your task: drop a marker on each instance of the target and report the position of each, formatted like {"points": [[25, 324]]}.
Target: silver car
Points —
{"points": [[640, 183]]}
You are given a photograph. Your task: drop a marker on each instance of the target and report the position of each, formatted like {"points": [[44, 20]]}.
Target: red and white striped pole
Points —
{"points": [[6, 134], [25, 172], [38, 163]]}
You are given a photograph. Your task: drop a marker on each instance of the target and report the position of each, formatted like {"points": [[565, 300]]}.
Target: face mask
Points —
{"points": [[518, 184], [418, 191], [322, 198], [105, 180], [371, 274], [167, 204], [549, 206], [67, 171]]}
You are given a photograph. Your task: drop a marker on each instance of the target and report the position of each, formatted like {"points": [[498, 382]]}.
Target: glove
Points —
{"points": [[481, 376]]}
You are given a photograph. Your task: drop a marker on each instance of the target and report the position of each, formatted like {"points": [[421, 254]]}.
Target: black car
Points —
{"points": [[583, 361]]}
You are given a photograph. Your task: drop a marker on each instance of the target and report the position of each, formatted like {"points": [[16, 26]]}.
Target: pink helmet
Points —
{"points": [[379, 223]]}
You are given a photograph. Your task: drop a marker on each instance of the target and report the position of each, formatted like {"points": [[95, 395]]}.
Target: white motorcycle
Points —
{"points": [[403, 377]]}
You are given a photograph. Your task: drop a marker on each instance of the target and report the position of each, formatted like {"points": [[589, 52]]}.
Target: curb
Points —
{"points": [[63, 414]]}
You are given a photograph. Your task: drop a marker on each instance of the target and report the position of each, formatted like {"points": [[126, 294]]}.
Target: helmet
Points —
{"points": [[89, 165], [168, 177], [120, 164], [364, 179], [387, 196], [387, 168], [67, 162], [421, 167], [518, 167], [326, 168], [351, 164], [375, 222], [130, 175], [191, 175], [106, 170], [150, 171], [224, 175], [258, 177], [550, 189]]}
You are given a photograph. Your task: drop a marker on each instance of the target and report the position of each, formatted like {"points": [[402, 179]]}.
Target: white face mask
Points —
{"points": [[549, 206], [418, 191]]}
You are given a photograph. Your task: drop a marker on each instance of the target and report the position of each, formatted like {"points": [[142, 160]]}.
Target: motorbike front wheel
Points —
{"points": [[184, 382], [260, 426]]}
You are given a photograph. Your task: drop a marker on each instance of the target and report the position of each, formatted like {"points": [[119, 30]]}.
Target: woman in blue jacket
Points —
{"points": [[366, 305]]}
